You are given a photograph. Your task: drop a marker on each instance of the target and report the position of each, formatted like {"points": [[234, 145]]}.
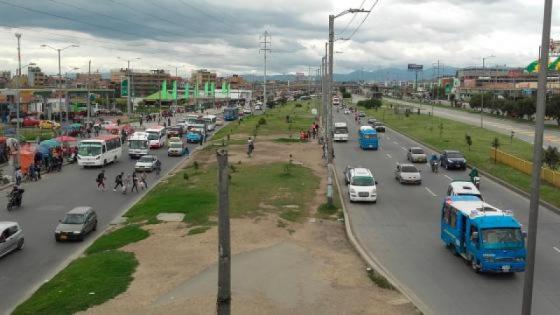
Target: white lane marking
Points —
{"points": [[448, 177], [403, 148], [395, 142], [556, 249], [389, 156], [431, 192], [388, 138]]}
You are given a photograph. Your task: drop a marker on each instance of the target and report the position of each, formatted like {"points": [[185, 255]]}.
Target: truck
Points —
{"points": [[489, 239]]}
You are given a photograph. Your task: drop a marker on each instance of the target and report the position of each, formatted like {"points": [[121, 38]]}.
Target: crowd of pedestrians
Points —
{"points": [[125, 183]]}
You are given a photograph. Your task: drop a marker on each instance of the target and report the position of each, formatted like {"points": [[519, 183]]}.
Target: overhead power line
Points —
{"points": [[352, 20], [365, 18]]}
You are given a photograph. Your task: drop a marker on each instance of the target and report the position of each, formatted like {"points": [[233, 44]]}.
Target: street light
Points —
{"points": [[58, 50], [482, 96], [129, 92]]}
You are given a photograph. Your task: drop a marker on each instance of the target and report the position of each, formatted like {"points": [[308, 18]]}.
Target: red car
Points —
{"points": [[31, 121]]}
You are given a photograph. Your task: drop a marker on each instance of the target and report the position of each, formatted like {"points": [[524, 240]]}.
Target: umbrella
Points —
{"points": [[51, 143], [65, 139]]}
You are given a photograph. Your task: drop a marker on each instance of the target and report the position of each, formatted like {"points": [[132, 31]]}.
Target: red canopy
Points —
{"points": [[66, 139]]}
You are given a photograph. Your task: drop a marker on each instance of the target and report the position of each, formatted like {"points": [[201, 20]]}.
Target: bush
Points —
{"points": [[262, 121], [371, 103]]}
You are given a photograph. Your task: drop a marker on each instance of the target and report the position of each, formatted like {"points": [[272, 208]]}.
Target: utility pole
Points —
{"points": [[223, 303], [129, 79], [309, 80], [265, 51], [482, 95], [87, 86], [18, 156], [537, 163]]}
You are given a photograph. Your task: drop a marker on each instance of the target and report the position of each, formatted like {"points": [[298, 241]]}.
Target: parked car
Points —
{"points": [[31, 121], [146, 163], [408, 173], [416, 154], [453, 159], [76, 224], [379, 126], [49, 124], [11, 237]]}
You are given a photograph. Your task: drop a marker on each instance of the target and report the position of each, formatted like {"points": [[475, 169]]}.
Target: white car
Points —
{"points": [[361, 184], [146, 163], [346, 111], [463, 188], [257, 107], [11, 237], [247, 111], [408, 173]]}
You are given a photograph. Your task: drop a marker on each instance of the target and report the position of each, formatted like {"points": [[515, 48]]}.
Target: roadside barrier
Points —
{"points": [[525, 166]]}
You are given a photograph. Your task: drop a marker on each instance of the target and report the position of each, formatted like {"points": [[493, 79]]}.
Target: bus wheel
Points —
{"points": [[104, 163], [474, 266]]}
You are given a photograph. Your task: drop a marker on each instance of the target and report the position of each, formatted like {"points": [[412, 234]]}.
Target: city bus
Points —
{"points": [[138, 144], [99, 151], [156, 136], [231, 113], [368, 138]]}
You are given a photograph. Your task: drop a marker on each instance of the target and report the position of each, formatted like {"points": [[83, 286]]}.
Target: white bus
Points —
{"points": [[138, 144], [340, 131], [156, 136], [99, 151], [210, 121]]}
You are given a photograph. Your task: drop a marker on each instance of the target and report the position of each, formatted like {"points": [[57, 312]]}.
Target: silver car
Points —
{"points": [[408, 173], [146, 163], [416, 154], [11, 237], [76, 224]]}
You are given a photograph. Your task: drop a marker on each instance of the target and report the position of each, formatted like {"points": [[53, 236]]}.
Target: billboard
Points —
{"points": [[412, 66]]}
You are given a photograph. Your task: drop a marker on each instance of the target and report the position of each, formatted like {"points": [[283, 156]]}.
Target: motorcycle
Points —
{"points": [[476, 181], [73, 158], [15, 198], [435, 166]]}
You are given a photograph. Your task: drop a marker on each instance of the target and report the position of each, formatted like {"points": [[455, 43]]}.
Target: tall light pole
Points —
{"points": [[130, 86], [265, 51], [537, 163], [482, 96], [60, 75], [17, 96], [176, 76]]}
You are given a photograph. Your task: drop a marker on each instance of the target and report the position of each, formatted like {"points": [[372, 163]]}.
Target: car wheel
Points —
{"points": [[474, 266], [21, 243], [401, 181], [56, 238]]}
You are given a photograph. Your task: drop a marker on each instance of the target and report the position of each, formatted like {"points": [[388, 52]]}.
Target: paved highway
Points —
{"points": [[44, 203], [523, 131], [402, 231]]}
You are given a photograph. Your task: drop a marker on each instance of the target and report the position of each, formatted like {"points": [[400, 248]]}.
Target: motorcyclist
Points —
{"points": [[473, 174], [434, 162], [16, 195]]}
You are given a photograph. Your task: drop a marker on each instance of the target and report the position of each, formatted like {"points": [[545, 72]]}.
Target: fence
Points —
{"points": [[524, 166]]}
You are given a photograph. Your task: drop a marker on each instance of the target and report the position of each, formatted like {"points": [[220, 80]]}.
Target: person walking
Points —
{"points": [[101, 181], [118, 181], [141, 121], [250, 147], [169, 121], [134, 182], [143, 180], [126, 184], [18, 176]]}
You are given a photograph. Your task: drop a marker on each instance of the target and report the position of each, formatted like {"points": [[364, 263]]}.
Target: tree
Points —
{"points": [[371, 103], [468, 140], [496, 144], [553, 108], [551, 157]]}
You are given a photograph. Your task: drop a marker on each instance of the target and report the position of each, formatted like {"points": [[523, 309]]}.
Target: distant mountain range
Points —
{"points": [[382, 74]]}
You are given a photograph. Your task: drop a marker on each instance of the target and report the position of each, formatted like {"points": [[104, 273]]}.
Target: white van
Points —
{"points": [[210, 122], [361, 184], [138, 144], [156, 136], [340, 131]]}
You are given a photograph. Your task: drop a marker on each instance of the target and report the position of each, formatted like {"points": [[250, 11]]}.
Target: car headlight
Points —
{"points": [[352, 191], [56, 232], [97, 158], [449, 161], [77, 232]]}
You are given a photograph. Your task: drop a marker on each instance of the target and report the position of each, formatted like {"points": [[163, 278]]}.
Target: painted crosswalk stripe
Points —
{"points": [[431, 192], [389, 155], [556, 249], [448, 177]]}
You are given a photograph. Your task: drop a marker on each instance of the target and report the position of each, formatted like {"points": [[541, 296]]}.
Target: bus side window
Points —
{"points": [[446, 213], [453, 217]]}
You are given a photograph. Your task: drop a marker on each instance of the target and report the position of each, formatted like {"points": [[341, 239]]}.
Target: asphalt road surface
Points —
{"points": [[522, 131], [402, 231], [44, 203]]}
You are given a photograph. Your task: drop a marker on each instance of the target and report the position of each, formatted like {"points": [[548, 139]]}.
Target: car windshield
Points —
{"points": [[153, 135], [454, 155], [340, 130], [409, 169], [89, 149], [146, 159], [175, 144], [72, 218], [417, 151], [507, 238], [362, 181], [138, 144]]}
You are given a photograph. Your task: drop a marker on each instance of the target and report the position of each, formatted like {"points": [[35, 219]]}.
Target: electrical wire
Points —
{"points": [[361, 23], [206, 14], [351, 20]]}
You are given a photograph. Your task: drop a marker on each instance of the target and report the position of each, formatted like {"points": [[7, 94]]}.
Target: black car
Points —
{"points": [[379, 127], [453, 159], [175, 131], [371, 121], [362, 114]]}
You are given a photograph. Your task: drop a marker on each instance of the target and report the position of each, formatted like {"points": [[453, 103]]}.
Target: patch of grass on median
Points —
{"points": [[448, 134], [250, 186], [87, 281], [379, 280], [119, 238], [198, 230]]}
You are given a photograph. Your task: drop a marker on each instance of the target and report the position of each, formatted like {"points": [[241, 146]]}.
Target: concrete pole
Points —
{"points": [[87, 87], [482, 98], [330, 148], [223, 303], [16, 162], [537, 163], [129, 86]]}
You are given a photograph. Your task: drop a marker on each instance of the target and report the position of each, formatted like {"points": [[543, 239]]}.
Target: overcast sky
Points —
{"points": [[224, 35]]}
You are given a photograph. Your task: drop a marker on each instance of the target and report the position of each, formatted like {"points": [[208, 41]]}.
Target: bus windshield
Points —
{"points": [[89, 149], [153, 135], [138, 144], [507, 238], [340, 130]]}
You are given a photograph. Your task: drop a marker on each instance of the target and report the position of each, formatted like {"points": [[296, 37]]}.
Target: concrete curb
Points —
{"points": [[510, 186], [370, 258]]}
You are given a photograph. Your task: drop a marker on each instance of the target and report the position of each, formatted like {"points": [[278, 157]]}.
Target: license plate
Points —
{"points": [[506, 268], [63, 237], [371, 146]]}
